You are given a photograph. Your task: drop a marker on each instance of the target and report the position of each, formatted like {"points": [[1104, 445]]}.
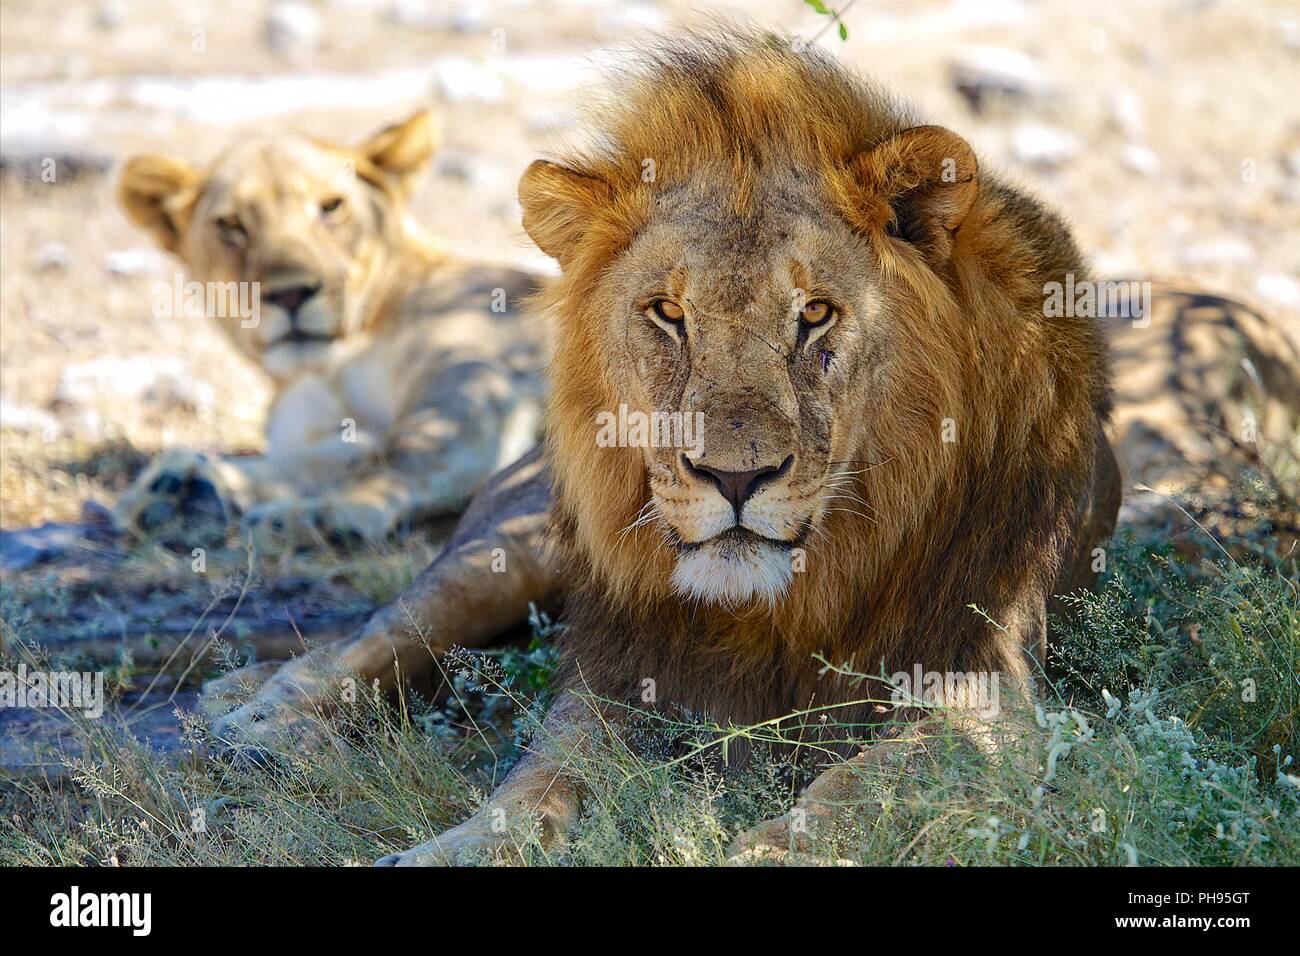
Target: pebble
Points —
{"points": [[113, 380], [981, 72], [1140, 159], [293, 29], [1046, 147], [458, 80], [52, 257], [138, 261], [1279, 288]]}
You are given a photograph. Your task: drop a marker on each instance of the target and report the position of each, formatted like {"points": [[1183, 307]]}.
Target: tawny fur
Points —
{"points": [[401, 380], [989, 520]]}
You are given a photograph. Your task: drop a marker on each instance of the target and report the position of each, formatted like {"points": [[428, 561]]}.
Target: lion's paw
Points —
{"points": [[286, 710], [771, 841], [220, 695], [474, 841], [311, 522], [180, 487]]}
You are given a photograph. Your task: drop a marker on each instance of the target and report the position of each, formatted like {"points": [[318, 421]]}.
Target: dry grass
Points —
{"points": [[1146, 750]]}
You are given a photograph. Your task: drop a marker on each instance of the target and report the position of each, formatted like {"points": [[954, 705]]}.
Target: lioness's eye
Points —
{"points": [[333, 204], [231, 228], [817, 312], [668, 310]]}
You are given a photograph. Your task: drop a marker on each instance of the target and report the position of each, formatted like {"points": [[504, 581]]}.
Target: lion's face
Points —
{"points": [[301, 232], [777, 290], [768, 331]]}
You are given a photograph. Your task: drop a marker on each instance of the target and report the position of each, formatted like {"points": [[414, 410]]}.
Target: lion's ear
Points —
{"points": [[559, 205], [928, 179], [158, 194], [401, 152]]}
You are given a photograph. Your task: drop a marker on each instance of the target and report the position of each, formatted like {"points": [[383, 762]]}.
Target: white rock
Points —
{"points": [[1044, 146], [474, 169], [633, 16], [971, 14], [461, 81], [549, 120], [1278, 287], [1126, 113], [29, 420], [1291, 163], [980, 71], [109, 14], [112, 380], [553, 75], [53, 257], [469, 20], [1140, 159], [415, 13], [1116, 262], [1290, 30], [292, 28], [1222, 250], [138, 261]]}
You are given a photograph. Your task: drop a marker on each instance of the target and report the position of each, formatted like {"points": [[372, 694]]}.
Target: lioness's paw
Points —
{"points": [[179, 488], [315, 521], [473, 842]]}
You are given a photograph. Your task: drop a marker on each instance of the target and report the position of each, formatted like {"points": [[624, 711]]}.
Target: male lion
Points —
{"points": [[903, 457], [403, 376]]}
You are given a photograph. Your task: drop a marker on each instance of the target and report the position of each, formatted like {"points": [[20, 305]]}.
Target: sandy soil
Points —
{"points": [[1168, 132]]}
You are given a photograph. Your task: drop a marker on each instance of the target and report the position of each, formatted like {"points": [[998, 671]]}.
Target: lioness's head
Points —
{"points": [[762, 241], [307, 230]]}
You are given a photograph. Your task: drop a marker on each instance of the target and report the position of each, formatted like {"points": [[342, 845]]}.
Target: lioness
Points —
{"points": [[403, 376], [902, 459]]}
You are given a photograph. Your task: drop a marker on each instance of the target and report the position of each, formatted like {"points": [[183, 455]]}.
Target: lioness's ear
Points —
{"points": [[158, 194], [402, 151], [928, 178], [559, 205]]}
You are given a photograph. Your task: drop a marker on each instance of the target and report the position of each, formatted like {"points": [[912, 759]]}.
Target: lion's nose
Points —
{"points": [[291, 298], [738, 486]]}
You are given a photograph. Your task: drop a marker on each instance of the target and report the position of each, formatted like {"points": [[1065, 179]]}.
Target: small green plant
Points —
{"points": [[836, 16]]}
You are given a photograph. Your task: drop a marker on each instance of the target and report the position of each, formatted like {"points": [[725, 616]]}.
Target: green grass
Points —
{"points": [[1166, 735]]}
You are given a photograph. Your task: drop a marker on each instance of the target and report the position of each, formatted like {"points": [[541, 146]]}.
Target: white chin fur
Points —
{"points": [[288, 360], [732, 574]]}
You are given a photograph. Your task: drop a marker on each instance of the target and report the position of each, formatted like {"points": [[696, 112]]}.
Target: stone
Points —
{"points": [[1035, 144], [980, 73]]}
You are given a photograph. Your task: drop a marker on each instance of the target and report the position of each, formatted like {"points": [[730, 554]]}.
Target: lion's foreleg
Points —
{"points": [[839, 794], [479, 586], [537, 803]]}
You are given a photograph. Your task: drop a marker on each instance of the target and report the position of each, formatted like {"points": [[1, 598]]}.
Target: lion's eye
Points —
{"points": [[333, 204], [668, 311], [817, 312]]}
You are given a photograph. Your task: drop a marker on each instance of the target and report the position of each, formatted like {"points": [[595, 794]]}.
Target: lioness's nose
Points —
{"points": [[291, 297], [738, 486]]}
